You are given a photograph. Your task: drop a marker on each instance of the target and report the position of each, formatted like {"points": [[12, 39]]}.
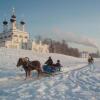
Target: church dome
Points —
{"points": [[13, 16], [5, 22], [12, 20], [22, 22]]}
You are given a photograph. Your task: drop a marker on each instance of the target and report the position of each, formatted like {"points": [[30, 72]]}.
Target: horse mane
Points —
{"points": [[25, 59]]}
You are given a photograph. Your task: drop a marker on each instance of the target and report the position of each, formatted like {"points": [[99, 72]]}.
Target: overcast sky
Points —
{"points": [[77, 20]]}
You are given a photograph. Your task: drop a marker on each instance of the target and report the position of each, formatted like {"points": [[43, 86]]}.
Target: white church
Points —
{"points": [[16, 37]]}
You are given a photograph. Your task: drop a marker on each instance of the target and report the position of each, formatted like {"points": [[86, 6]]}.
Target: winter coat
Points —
{"points": [[49, 62]]}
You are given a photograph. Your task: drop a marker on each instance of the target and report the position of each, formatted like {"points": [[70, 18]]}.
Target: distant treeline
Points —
{"points": [[61, 47], [96, 55]]}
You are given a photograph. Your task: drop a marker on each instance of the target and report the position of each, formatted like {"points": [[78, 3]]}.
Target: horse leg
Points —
{"points": [[26, 75], [29, 73], [39, 72]]}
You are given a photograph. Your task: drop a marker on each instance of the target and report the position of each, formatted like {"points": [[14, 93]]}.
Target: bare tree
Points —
{"points": [[61, 47]]}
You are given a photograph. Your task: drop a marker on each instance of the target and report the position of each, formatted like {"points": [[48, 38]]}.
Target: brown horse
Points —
{"points": [[28, 66]]}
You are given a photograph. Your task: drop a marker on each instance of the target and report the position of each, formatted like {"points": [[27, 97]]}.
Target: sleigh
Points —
{"points": [[51, 69]]}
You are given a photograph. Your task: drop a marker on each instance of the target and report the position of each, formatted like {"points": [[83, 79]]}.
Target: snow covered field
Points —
{"points": [[78, 81]]}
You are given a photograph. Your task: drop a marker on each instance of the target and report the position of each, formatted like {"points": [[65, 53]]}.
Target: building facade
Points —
{"points": [[84, 54], [16, 37]]}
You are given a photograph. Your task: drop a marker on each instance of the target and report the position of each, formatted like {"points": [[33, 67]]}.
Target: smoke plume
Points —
{"points": [[74, 38]]}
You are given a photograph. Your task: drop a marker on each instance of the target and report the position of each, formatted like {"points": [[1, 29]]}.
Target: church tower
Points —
{"points": [[13, 20], [5, 26], [22, 25]]}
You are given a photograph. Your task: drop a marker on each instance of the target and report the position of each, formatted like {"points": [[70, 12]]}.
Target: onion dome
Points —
{"points": [[5, 22], [12, 20], [13, 13], [22, 22], [13, 16]]}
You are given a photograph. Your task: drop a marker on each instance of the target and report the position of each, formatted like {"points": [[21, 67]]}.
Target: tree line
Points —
{"points": [[61, 47]]}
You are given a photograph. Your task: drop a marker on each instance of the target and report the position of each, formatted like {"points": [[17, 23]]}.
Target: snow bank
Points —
{"points": [[77, 82]]}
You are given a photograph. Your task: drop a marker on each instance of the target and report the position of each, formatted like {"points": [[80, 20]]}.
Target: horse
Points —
{"points": [[28, 66]]}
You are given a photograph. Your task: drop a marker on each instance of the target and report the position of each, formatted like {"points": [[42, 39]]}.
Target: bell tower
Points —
{"points": [[5, 25], [22, 25], [13, 20]]}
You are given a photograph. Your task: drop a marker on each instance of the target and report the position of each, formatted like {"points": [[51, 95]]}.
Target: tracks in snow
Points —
{"points": [[84, 82]]}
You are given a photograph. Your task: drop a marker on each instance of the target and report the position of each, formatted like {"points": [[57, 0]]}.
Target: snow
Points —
{"points": [[77, 81]]}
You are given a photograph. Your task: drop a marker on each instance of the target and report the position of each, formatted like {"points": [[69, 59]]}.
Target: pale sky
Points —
{"points": [[77, 20]]}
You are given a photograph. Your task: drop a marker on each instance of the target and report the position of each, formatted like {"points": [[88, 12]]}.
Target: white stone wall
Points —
{"points": [[30, 45], [2, 44], [20, 36], [40, 47], [11, 44], [20, 39]]}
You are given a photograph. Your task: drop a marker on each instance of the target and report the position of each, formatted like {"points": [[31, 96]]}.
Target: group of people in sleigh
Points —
{"points": [[50, 67]]}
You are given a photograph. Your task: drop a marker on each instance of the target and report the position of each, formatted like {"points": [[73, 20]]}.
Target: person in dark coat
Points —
{"points": [[58, 65], [48, 66], [49, 62], [90, 60]]}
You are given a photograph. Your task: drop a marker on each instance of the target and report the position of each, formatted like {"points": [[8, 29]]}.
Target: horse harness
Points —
{"points": [[30, 63]]}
